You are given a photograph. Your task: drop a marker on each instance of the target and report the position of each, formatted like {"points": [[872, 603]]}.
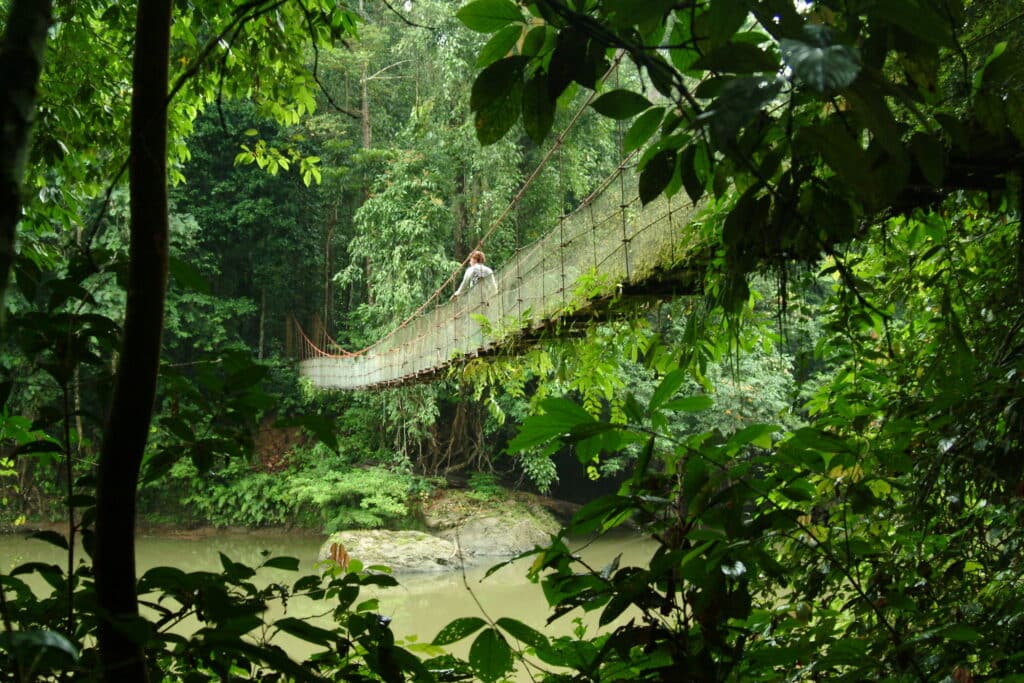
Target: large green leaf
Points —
{"points": [[759, 435], [642, 129], [500, 44], [490, 656], [930, 155], [566, 410], [458, 629], [825, 69], [187, 275], [537, 40], [522, 632], [51, 537], [657, 174], [625, 13], [27, 645], [917, 18], [538, 107], [722, 20], [497, 98], [740, 58], [669, 385], [494, 83], [621, 104], [739, 100], [487, 16], [303, 630], [288, 563], [688, 173], [690, 404]]}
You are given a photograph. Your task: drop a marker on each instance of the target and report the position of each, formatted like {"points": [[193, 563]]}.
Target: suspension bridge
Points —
{"points": [[610, 246]]}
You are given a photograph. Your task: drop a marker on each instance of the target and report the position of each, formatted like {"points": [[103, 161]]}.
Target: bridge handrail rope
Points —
{"points": [[516, 199]]}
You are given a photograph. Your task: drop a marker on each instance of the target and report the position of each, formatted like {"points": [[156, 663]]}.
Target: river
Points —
{"points": [[418, 608]]}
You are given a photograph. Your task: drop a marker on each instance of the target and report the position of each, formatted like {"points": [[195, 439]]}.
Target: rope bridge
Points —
{"points": [[610, 244]]}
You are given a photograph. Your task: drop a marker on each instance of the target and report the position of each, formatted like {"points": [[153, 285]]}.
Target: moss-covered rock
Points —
{"points": [[402, 551], [464, 529], [489, 528]]}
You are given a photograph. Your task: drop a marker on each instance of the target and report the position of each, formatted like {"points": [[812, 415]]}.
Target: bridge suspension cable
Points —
{"points": [[608, 240]]}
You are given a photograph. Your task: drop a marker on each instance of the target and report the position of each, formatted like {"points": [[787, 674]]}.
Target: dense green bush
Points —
{"points": [[357, 497], [237, 495], [318, 489]]}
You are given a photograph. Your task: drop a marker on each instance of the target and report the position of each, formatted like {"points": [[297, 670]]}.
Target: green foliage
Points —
{"points": [[873, 532], [887, 525], [485, 486], [821, 115], [237, 496], [234, 630], [317, 488], [540, 469], [354, 497]]}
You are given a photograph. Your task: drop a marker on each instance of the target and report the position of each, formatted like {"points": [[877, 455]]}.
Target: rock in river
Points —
{"points": [[403, 551], [481, 533]]}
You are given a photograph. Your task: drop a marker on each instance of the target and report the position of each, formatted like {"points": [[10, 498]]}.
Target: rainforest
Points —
{"points": [[732, 387]]}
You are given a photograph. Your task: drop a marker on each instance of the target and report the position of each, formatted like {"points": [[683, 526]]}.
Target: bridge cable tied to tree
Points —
{"points": [[609, 244]]}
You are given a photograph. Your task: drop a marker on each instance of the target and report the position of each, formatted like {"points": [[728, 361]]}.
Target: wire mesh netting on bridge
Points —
{"points": [[609, 241]]}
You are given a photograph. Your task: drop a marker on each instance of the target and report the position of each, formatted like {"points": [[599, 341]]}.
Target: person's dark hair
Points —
{"points": [[477, 256]]}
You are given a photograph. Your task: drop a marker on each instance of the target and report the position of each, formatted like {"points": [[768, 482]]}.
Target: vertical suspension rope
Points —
{"points": [[671, 232], [622, 191], [519, 279], [561, 220], [593, 234], [543, 272]]}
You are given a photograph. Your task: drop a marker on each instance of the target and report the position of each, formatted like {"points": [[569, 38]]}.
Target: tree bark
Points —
{"points": [[124, 439], [21, 62], [332, 224]]}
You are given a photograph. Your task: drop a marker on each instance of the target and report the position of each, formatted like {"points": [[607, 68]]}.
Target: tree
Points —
{"points": [[879, 136], [124, 441], [21, 62], [824, 116], [127, 426]]}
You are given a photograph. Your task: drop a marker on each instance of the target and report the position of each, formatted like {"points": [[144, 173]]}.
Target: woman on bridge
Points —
{"points": [[476, 272]]}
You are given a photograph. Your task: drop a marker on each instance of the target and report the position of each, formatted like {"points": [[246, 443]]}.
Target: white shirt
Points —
{"points": [[474, 274]]}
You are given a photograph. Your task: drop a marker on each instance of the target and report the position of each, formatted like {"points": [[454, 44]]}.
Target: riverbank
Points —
{"points": [[457, 526]]}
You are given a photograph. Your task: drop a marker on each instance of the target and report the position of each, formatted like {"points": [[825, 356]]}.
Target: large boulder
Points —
{"points": [[402, 551], [500, 529], [463, 530], [505, 536]]}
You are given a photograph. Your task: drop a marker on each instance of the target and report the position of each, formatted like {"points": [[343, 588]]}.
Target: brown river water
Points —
{"points": [[418, 608]]}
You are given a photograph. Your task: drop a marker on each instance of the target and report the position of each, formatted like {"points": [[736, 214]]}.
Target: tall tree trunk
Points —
{"points": [[263, 322], [364, 107], [364, 111], [21, 61], [367, 140], [461, 217], [124, 438], [332, 224]]}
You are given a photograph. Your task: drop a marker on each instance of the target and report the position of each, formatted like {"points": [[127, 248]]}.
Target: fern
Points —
{"points": [[354, 498]]}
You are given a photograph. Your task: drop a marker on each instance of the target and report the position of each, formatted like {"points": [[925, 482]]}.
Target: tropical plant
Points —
{"points": [[822, 115]]}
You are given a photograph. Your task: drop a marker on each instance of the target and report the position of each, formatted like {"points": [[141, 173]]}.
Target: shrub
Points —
{"points": [[354, 498]]}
